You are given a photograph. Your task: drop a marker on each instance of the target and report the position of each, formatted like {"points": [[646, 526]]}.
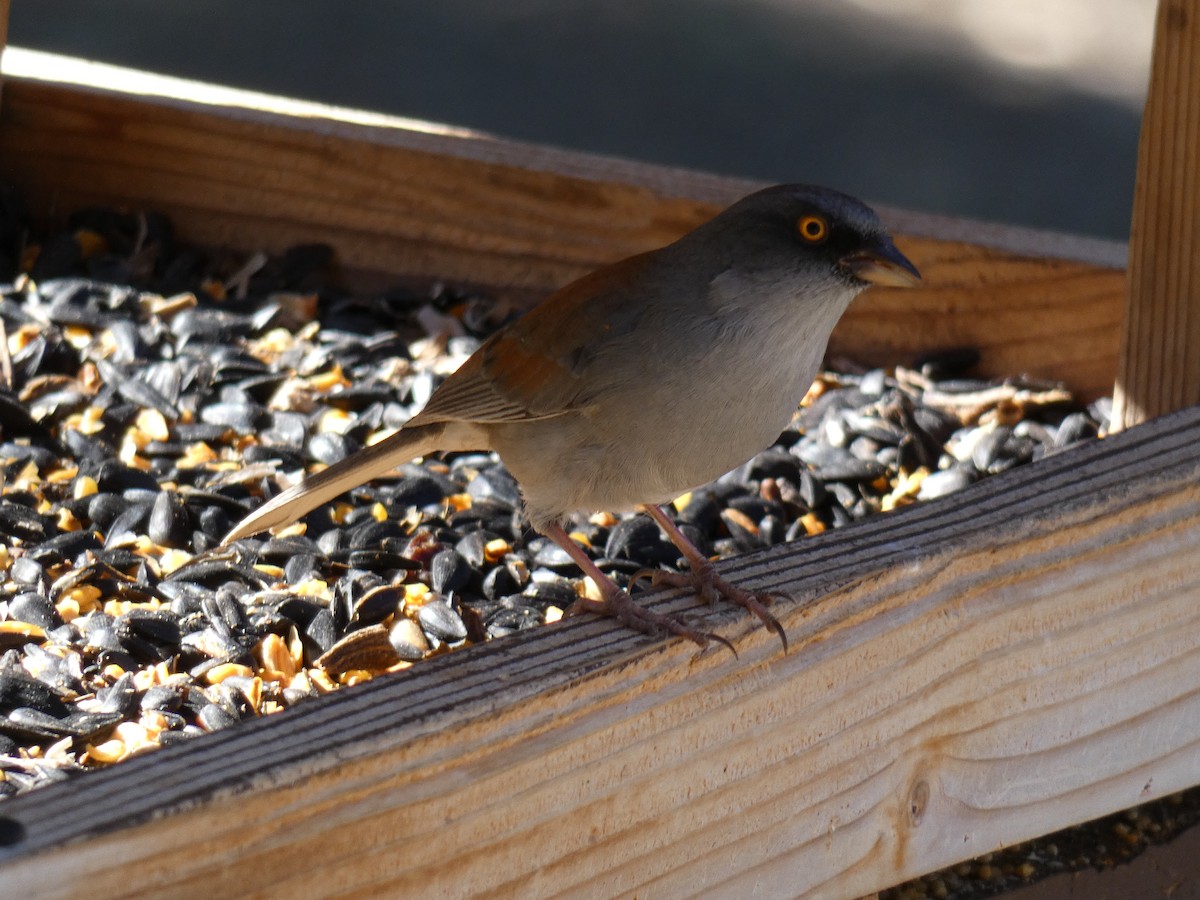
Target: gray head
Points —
{"points": [[797, 226]]}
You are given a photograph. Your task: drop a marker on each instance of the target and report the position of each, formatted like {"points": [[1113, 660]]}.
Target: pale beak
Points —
{"points": [[882, 264]]}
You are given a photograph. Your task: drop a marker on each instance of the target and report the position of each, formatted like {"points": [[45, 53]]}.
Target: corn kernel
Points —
{"points": [[67, 521], [495, 550], [153, 424], [275, 656], [416, 594], [110, 751], [812, 525], [327, 381], [219, 673], [84, 487]]}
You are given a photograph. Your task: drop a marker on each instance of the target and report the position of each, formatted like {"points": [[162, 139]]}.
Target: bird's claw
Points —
{"points": [[710, 586], [621, 606]]}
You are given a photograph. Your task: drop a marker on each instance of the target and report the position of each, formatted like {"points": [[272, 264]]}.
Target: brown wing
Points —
{"points": [[534, 368]]}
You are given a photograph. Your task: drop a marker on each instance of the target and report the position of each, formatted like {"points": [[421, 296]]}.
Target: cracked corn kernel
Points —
{"points": [[219, 673], [135, 737], [197, 454], [109, 751], [905, 491], [77, 336], [144, 679], [276, 657], [296, 647], [88, 422], [173, 559], [67, 521], [494, 550], [328, 380], [812, 524], [313, 587], [416, 594], [86, 595], [84, 487], [252, 690], [28, 629], [740, 519], [21, 338], [320, 680], [153, 425], [112, 750], [166, 307], [337, 421], [154, 722], [589, 590], [116, 608], [128, 454]]}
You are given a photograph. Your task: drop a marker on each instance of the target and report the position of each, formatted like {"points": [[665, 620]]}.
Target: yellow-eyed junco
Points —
{"points": [[647, 378]]}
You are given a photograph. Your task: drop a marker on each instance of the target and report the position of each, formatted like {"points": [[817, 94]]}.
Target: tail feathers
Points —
{"points": [[342, 476]]}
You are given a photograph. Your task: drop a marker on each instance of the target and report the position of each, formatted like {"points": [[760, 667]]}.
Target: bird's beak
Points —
{"points": [[882, 264]]}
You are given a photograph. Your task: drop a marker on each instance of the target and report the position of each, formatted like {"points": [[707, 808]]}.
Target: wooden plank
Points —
{"points": [[966, 673], [397, 198], [1160, 349]]}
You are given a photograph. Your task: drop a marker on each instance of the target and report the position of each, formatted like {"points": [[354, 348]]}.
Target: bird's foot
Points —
{"points": [[617, 603], [702, 578], [620, 606]]}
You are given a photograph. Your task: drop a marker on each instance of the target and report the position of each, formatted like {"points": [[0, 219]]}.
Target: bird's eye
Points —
{"points": [[813, 229]]}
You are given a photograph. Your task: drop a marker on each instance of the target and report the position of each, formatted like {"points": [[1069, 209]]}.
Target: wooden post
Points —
{"points": [[3, 32], [1159, 368]]}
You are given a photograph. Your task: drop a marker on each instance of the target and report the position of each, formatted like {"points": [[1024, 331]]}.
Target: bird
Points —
{"points": [[645, 379]]}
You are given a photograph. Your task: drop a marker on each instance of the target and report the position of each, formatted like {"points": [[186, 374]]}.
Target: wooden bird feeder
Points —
{"points": [[965, 674]]}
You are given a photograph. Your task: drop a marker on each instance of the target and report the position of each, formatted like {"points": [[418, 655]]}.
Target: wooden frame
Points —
{"points": [[965, 674], [243, 170]]}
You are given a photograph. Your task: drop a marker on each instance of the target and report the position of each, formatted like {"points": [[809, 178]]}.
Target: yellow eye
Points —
{"points": [[813, 229]]}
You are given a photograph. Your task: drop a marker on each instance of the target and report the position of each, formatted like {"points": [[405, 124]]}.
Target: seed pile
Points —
{"points": [[151, 395]]}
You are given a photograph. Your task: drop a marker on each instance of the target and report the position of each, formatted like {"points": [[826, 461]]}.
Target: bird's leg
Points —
{"points": [[703, 577], [616, 602]]}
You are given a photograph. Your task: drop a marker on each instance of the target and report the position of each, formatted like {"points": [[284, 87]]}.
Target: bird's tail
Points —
{"points": [[361, 467]]}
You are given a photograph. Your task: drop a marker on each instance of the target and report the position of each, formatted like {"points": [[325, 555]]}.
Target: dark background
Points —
{"points": [[1008, 110]]}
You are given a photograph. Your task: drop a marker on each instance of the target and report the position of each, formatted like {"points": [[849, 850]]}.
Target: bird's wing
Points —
{"points": [[535, 368]]}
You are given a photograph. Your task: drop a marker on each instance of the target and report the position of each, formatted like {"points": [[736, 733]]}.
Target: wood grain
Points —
{"points": [[966, 673], [399, 203], [1160, 346]]}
